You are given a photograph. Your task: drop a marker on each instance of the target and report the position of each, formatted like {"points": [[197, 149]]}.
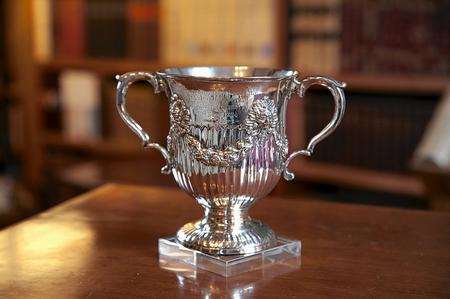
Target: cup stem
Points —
{"points": [[225, 218]]}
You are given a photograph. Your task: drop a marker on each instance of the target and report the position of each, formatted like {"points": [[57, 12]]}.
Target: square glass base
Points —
{"points": [[230, 265]]}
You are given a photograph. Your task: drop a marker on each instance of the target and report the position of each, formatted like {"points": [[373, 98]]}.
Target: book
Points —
{"points": [[80, 97], [106, 28], [315, 34], [69, 28], [42, 29], [435, 145], [142, 29]]}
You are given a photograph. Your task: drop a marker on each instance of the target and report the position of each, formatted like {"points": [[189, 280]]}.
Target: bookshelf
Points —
{"points": [[410, 84], [308, 171], [106, 67], [36, 67], [372, 46], [30, 91]]}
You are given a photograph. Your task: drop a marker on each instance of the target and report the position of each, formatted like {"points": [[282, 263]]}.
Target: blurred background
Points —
{"points": [[60, 134]]}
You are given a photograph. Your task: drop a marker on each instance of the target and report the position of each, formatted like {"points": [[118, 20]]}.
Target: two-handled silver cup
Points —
{"points": [[227, 144]]}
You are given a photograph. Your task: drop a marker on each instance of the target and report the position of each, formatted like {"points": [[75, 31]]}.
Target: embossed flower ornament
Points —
{"points": [[262, 117]]}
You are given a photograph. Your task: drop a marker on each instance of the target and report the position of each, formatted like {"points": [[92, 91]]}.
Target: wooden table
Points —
{"points": [[104, 245]]}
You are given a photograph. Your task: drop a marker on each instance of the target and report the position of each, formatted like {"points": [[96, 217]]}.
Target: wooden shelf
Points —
{"points": [[391, 83], [359, 178], [410, 84], [100, 66], [103, 66], [103, 148]]}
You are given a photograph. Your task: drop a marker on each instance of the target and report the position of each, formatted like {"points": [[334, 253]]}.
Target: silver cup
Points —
{"points": [[227, 145]]}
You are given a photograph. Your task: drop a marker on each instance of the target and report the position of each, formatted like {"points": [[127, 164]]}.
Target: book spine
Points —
{"points": [[230, 33], [195, 48], [81, 119], [316, 36], [179, 40], [69, 28], [266, 40], [244, 38], [42, 29], [142, 29], [106, 28], [166, 31]]}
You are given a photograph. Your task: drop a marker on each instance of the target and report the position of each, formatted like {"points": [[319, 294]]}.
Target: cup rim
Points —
{"points": [[238, 73]]}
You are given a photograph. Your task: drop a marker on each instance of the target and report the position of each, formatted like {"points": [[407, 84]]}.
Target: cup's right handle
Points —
{"points": [[336, 89]]}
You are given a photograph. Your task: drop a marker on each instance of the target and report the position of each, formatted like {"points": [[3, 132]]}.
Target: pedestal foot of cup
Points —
{"points": [[220, 239]]}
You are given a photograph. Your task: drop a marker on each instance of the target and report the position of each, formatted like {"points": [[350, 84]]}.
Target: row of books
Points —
{"points": [[220, 32], [174, 31], [327, 36], [370, 36], [96, 28], [396, 36], [377, 132]]}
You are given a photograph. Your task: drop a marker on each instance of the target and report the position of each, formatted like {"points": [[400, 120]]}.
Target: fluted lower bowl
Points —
{"points": [[226, 194]]}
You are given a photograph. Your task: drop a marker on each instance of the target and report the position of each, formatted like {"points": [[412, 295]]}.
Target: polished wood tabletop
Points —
{"points": [[104, 245]]}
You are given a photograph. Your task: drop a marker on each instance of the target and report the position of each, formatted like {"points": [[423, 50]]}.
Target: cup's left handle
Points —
{"points": [[124, 82]]}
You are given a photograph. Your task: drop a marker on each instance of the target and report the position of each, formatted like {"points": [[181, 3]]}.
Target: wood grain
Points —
{"points": [[104, 245]]}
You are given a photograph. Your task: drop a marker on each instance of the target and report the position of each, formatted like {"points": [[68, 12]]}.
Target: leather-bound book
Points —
{"points": [[142, 29], [69, 28], [410, 37], [106, 28]]}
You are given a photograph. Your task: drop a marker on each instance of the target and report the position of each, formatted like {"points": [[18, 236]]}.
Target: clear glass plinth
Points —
{"points": [[230, 265]]}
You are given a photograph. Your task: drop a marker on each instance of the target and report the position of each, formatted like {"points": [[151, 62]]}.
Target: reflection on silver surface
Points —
{"points": [[232, 73], [227, 145]]}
